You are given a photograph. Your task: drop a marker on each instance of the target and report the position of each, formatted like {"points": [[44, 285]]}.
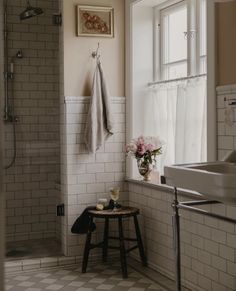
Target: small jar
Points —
{"points": [[102, 202]]}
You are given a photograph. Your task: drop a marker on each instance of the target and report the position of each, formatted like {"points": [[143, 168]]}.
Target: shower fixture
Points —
{"points": [[9, 114], [30, 12]]}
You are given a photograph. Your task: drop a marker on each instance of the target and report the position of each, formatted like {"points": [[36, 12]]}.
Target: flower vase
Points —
{"points": [[145, 170]]}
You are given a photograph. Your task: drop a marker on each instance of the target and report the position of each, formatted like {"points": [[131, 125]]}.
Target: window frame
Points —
{"points": [[211, 76], [162, 41], [193, 44]]}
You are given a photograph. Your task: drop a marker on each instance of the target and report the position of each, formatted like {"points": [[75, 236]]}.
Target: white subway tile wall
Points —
{"points": [[208, 246], [31, 194], [226, 120], [87, 177]]}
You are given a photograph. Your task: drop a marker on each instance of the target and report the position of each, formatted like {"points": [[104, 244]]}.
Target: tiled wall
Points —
{"points": [[226, 120], [88, 177], [62, 222], [30, 183], [208, 245], [2, 222]]}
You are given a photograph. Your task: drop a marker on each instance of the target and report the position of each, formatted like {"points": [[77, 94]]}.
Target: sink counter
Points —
{"points": [[215, 180]]}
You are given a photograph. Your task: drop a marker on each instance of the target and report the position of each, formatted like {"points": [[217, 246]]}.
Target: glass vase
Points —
{"points": [[144, 169]]}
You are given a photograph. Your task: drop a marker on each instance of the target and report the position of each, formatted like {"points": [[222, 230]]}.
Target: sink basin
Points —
{"points": [[215, 181]]}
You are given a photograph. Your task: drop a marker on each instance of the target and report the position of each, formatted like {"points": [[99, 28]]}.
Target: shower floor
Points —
{"points": [[32, 249]]}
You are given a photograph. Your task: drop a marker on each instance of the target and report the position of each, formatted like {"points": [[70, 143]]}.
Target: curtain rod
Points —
{"points": [[176, 80]]}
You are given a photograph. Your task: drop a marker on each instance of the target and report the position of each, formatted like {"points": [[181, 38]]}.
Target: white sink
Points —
{"points": [[216, 180]]}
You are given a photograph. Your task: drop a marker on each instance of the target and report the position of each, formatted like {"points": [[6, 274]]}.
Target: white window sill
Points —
{"points": [[165, 188]]}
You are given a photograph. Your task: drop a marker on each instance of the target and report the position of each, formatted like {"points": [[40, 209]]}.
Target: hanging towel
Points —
{"points": [[99, 125]]}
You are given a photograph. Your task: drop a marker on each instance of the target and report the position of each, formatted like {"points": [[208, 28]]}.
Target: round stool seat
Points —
{"points": [[109, 213], [118, 214]]}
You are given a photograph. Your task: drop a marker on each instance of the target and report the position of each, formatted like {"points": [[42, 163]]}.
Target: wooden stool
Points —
{"points": [[119, 215]]}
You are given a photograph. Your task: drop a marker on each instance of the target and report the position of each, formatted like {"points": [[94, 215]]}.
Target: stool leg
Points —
{"points": [[87, 246], [105, 240], [122, 249], [140, 243]]}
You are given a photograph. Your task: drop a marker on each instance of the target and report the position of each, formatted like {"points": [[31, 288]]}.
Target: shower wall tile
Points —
{"points": [[61, 222], [31, 183], [88, 177]]}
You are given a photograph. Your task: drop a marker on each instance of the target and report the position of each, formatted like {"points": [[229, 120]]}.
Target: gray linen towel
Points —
{"points": [[99, 125]]}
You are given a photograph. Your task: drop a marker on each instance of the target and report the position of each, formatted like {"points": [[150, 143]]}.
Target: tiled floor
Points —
{"points": [[98, 277], [32, 249]]}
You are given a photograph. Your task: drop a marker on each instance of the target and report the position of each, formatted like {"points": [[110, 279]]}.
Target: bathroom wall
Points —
{"points": [[78, 62], [208, 249], [226, 122], [87, 177], [226, 43], [30, 184], [2, 220], [60, 197]]}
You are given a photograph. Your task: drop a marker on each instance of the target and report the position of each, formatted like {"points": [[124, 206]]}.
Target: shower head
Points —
{"points": [[30, 12]]}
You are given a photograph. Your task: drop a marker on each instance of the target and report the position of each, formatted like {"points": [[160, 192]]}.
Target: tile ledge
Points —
{"points": [[169, 189], [226, 89], [86, 99]]}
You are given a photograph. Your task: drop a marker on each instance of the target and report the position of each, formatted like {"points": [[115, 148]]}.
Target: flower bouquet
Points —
{"points": [[145, 150]]}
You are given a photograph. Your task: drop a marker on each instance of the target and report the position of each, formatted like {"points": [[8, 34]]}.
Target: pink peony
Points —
{"points": [[140, 140], [131, 148], [141, 149], [149, 147]]}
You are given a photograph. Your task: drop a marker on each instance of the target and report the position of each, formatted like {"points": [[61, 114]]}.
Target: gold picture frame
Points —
{"points": [[95, 21]]}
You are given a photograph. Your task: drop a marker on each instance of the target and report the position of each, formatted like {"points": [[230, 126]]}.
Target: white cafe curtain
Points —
{"points": [[176, 112]]}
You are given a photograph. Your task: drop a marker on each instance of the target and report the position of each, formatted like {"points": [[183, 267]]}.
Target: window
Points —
{"points": [[173, 44], [167, 40], [182, 39], [202, 36], [180, 103]]}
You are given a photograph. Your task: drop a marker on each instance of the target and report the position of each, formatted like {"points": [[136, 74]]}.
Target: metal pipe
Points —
{"points": [[206, 213], [8, 116], [199, 202], [176, 237]]}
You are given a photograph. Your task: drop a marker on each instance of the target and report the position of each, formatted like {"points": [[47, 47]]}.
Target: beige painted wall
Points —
{"points": [[226, 43], [78, 63]]}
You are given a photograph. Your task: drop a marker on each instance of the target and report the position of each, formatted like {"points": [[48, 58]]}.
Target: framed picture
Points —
{"points": [[95, 21]]}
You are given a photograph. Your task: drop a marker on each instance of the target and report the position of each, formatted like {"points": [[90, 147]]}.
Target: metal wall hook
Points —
{"points": [[95, 54]]}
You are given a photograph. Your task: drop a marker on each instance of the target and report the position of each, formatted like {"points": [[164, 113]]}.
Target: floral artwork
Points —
{"points": [[95, 21]]}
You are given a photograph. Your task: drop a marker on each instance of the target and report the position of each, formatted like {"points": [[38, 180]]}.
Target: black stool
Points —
{"points": [[119, 215]]}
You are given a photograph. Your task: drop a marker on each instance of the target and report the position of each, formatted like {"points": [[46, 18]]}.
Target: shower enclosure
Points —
{"points": [[31, 119]]}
